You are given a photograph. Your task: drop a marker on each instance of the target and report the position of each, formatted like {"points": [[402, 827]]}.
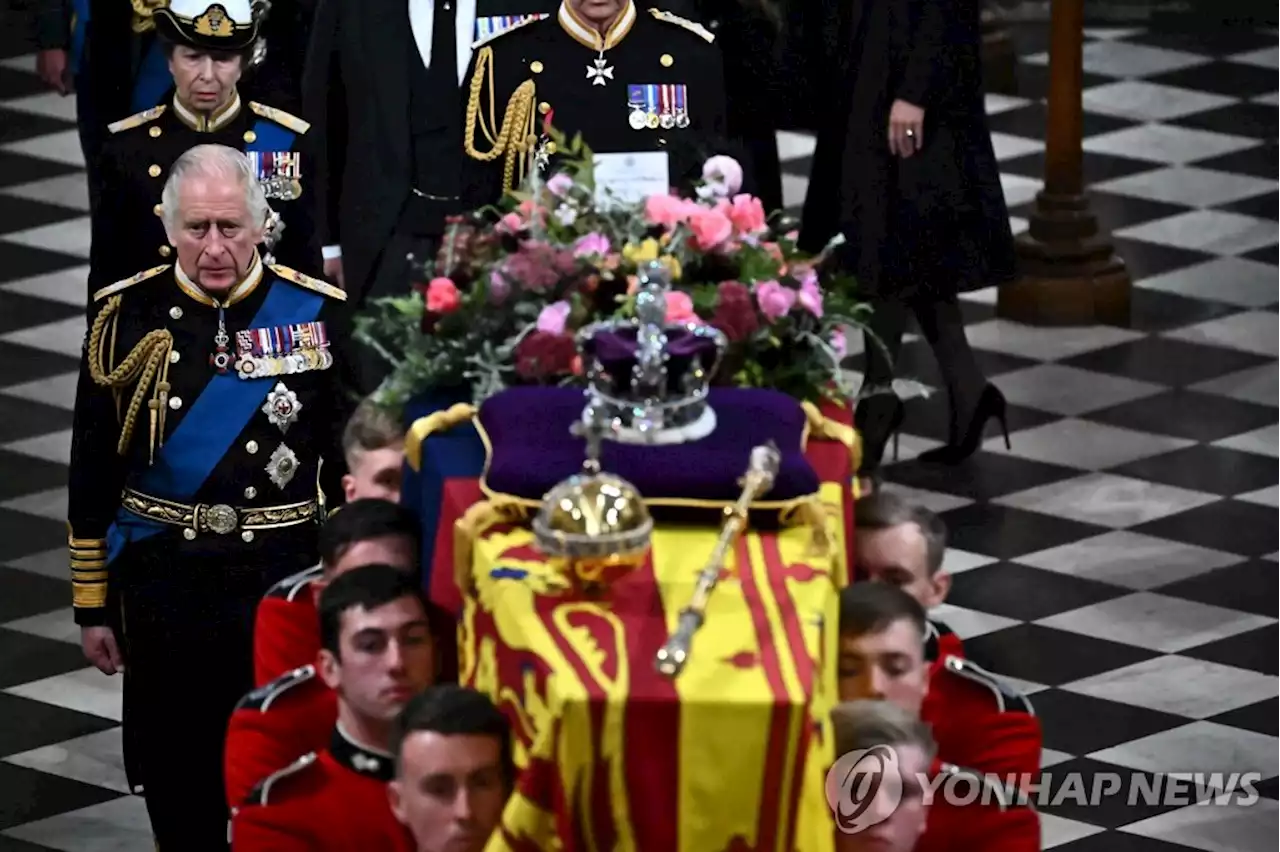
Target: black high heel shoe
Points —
{"points": [[876, 428], [991, 404]]}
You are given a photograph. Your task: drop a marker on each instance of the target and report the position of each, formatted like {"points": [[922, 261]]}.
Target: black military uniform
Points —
{"points": [[654, 83], [128, 232], [200, 468]]}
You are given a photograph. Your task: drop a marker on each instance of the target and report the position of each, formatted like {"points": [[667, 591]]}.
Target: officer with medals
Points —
{"points": [[207, 45], [626, 78], [206, 443]]}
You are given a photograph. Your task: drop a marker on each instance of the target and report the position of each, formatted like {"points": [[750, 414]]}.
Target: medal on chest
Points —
{"points": [[282, 350], [220, 360], [600, 71]]}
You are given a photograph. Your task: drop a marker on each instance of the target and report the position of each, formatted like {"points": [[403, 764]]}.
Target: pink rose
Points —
{"points": [[442, 296], [511, 223], [559, 185], [722, 175], [810, 296], [591, 245], [680, 307], [553, 317], [775, 300], [667, 210], [839, 344], [499, 287], [710, 228], [746, 213]]}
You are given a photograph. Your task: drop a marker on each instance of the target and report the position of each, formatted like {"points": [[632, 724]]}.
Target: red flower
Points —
{"points": [[735, 312], [542, 355]]}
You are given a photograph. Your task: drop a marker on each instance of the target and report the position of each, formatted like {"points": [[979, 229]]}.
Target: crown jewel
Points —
{"points": [[648, 376]]}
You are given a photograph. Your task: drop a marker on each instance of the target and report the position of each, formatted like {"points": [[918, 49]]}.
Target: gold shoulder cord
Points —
{"points": [[515, 137], [148, 363]]}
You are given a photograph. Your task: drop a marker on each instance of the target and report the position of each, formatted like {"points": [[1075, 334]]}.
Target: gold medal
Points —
{"points": [[652, 121]]}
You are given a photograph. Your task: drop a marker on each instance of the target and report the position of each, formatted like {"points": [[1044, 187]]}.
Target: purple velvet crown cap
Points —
{"points": [[615, 351]]}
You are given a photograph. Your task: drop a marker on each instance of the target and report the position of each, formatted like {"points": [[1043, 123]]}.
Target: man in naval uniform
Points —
{"points": [[626, 78], [382, 87], [206, 44], [206, 442], [377, 655]]}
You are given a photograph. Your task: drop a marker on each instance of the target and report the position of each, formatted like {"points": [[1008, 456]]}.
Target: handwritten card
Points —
{"points": [[629, 178]]}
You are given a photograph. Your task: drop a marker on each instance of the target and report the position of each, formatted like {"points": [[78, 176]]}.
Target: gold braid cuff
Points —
{"points": [[88, 571], [515, 137], [435, 422], [147, 364]]}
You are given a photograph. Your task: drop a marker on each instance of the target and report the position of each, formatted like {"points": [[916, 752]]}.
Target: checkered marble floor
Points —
{"points": [[1119, 562]]}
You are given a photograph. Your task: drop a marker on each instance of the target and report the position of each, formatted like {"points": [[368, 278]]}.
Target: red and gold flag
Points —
{"points": [[613, 756]]}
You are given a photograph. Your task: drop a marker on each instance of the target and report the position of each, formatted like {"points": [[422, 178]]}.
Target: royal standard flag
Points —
{"points": [[728, 757]]}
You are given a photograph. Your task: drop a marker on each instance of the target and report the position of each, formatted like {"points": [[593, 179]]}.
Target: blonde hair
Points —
{"points": [[863, 724], [371, 427]]}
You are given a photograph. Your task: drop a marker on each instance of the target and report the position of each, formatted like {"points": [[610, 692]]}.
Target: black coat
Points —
{"points": [[933, 223], [356, 90]]}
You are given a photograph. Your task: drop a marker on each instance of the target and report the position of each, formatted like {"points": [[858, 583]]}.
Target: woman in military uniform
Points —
{"points": [[207, 45], [628, 79]]}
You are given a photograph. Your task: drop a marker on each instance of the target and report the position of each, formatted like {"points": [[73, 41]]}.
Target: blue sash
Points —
{"points": [[212, 424], [153, 79], [270, 137], [79, 25]]}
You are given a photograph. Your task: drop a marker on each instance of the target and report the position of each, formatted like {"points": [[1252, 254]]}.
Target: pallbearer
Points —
{"points": [[628, 78], [207, 45], [205, 444]]}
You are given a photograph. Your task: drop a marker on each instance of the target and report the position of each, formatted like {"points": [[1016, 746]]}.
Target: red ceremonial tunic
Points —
{"points": [[993, 822], [273, 726], [981, 722], [286, 630], [335, 800]]}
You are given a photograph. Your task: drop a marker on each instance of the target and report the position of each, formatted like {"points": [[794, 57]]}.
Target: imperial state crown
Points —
{"points": [[648, 376]]}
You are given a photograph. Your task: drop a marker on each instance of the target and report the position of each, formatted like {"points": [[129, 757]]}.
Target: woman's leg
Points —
{"points": [[878, 411], [942, 325]]}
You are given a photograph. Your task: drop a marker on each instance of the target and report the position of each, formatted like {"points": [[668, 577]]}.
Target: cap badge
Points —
{"points": [[214, 23]]}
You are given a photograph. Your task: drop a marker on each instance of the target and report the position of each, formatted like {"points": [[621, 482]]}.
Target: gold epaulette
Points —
{"points": [[138, 119], [322, 287], [124, 284], [280, 117], [532, 19], [692, 26]]}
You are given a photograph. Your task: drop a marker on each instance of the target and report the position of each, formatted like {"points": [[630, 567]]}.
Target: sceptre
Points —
{"points": [[756, 482]]}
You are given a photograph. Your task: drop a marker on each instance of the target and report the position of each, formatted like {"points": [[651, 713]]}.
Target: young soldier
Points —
{"points": [[378, 654], [861, 725], [454, 769], [374, 446], [981, 725], [292, 712], [903, 544]]}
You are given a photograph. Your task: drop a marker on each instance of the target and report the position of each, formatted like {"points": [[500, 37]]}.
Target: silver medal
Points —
{"points": [[282, 466], [282, 407]]}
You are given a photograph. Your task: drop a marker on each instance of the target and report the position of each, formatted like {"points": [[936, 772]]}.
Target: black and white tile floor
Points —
{"points": [[1119, 562]]}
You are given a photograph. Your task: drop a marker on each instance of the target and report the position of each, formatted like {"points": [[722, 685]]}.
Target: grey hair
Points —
{"points": [[865, 724], [882, 510], [214, 161]]}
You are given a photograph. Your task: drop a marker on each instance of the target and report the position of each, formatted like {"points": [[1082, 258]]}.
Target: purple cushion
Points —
{"points": [[616, 353], [531, 448]]}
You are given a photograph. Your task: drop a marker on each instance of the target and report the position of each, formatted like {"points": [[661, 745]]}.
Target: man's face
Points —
{"points": [[205, 80], [899, 556], [374, 473], [386, 657], [597, 12], [213, 232], [904, 823], [450, 790], [888, 666], [395, 550]]}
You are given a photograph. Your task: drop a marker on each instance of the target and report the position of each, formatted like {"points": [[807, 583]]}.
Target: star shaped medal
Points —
{"points": [[601, 72]]}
